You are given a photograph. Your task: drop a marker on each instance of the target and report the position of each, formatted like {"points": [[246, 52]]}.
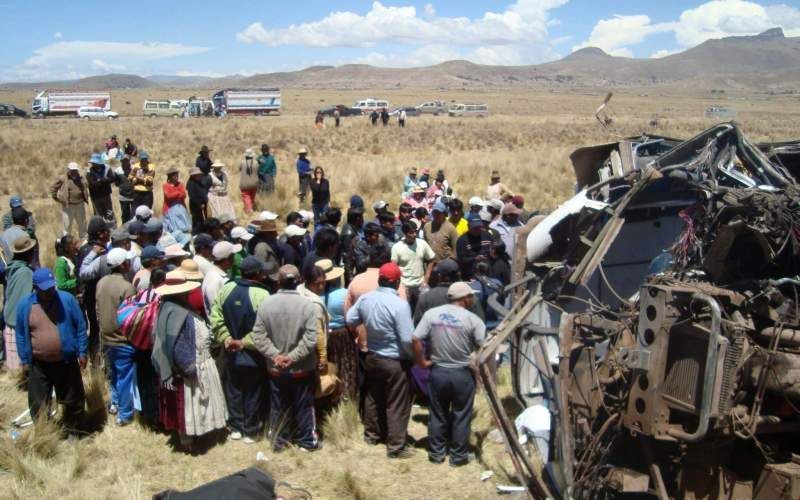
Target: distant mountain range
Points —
{"points": [[769, 62]]}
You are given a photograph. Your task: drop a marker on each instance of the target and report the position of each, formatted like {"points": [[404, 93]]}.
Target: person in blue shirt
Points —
{"points": [[387, 403], [303, 173], [52, 345]]}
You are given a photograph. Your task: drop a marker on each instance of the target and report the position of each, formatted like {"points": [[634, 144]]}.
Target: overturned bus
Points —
{"points": [[655, 326]]}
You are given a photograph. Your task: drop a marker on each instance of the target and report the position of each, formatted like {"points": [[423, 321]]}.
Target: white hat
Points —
{"points": [[117, 256], [73, 166], [248, 153], [174, 251], [459, 290], [143, 212], [379, 205], [225, 249], [217, 164], [225, 218], [240, 233], [267, 215], [476, 201], [306, 215], [292, 230], [302, 151], [496, 204], [485, 215]]}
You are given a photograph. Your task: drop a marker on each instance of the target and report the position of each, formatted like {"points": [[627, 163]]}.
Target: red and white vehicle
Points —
{"points": [[56, 102]]}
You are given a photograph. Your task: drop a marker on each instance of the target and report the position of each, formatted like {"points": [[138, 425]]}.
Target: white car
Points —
{"points": [[96, 113]]}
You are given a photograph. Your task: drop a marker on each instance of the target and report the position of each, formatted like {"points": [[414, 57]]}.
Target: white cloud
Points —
{"points": [[661, 53], [75, 59], [519, 33], [57, 35], [615, 34], [101, 65], [710, 20]]}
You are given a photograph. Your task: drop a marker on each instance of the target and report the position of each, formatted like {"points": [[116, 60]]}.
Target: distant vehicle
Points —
{"points": [[11, 111], [410, 111], [720, 113], [55, 102], [343, 110], [368, 105], [200, 108], [163, 108], [248, 101], [432, 107], [96, 113], [479, 110]]}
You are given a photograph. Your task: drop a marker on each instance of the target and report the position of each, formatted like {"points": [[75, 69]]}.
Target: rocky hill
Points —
{"points": [[765, 62]]}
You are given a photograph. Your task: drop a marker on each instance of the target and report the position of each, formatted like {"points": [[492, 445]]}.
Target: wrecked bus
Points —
{"points": [[655, 327]]}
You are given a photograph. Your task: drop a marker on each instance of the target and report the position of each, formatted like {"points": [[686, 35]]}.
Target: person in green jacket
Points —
{"points": [[66, 251], [19, 284], [233, 314], [267, 170], [241, 236]]}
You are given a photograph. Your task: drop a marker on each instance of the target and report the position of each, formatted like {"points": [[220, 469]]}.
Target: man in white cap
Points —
{"points": [[293, 250], [240, 236], [71, 193], [476, 204], [217, 276], [304, 170], [453, 334], [112, 289], [248, 181]]}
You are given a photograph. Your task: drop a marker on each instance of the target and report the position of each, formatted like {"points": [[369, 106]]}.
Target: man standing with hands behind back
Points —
{"points": [[52, 345]]}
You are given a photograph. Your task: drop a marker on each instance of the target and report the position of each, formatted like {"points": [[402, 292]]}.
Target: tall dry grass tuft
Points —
{"points": [[348, 486], [96, 411], [343, 428]]}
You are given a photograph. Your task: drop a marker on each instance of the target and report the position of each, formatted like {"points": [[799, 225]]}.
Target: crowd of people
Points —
{"points": [[205, 325]]}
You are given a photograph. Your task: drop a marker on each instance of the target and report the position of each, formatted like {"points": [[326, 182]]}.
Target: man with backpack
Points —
{"points": [[233, 315], [112, 290]]}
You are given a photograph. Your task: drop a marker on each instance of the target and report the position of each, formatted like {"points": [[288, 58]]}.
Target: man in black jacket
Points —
{"points": [[474, 245], [351, 232], [198, 198], [100, 178]]}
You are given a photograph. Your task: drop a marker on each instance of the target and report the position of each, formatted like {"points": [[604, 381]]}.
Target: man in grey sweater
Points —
{"points": [[285, 332]]}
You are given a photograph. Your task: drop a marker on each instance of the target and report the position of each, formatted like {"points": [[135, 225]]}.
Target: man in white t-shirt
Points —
{"points": [[415, 258]]}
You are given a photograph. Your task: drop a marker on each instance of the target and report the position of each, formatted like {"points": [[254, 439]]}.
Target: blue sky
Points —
{"points": [[55, 39]]}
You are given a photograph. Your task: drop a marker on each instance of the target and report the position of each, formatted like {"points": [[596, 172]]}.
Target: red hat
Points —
{"points": [[390, 272], [518, 200]]}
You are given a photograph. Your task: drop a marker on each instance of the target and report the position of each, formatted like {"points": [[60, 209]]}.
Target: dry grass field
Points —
{"points": [[528, 139]]}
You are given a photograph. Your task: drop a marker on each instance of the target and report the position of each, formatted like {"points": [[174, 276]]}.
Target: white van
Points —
{"points": [[479, 110], [370, 105], [162, 108]]}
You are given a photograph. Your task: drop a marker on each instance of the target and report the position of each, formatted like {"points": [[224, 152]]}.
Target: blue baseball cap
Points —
{"points": [[439, 207], [356, 201], [15, 201], [96, 159], [151, 252], [43, 279], [475, 222], [143, 155]]}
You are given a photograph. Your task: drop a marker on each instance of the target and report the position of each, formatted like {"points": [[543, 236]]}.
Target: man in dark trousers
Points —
{"points": [[52, 346], [285, 333], [387, 319], [303, 173], [100, 178], [453, 334], [99, 234], [198, 198], [233, 315]]}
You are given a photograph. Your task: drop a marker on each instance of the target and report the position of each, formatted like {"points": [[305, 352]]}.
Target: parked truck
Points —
{"points": [[247, 102], [67, 102]]}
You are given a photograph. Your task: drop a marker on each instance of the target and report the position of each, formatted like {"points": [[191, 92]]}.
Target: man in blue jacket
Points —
{"points": [[52, 343], [303, 173]]}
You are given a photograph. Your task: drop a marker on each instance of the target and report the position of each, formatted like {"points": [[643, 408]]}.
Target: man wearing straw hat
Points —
{"points": [[233, 315], [19, 280], [100, 178]]}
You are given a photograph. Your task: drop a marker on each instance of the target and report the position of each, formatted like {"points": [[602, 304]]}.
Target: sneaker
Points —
{"points": [[435, 460], [248, 440], [401, 454], [311, 449], [112, 409], [123, 423], [235, 436]]}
